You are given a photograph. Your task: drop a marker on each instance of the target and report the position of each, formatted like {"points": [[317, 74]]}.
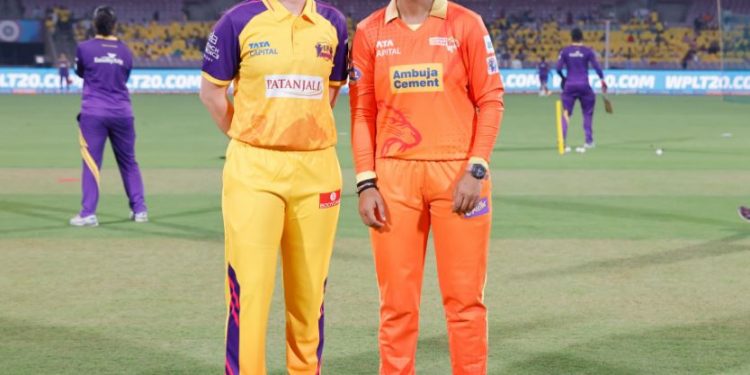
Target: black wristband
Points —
{"points": [[365, 185]]}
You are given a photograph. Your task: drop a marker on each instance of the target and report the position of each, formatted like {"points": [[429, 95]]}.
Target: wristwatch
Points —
{"points": [[478, 171]]}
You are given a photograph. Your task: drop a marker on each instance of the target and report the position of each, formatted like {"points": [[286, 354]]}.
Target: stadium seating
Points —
{"points": [[127, 11], [671, 35], [154, 44]]}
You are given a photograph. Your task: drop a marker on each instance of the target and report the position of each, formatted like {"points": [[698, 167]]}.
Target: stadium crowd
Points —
{"points": [[645, 41], [522, 35]]}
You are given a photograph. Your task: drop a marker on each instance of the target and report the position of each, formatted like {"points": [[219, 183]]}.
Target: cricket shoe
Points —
{"points": [[86, 221], [139, 217], [568, 149], [744, 213], [589, 145]]}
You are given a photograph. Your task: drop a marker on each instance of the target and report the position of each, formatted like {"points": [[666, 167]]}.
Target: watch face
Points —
{"points": [[478, 171]]}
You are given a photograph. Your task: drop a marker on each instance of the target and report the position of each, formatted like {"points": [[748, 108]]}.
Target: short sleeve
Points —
{"points": [[221, 59], [339, 72]]}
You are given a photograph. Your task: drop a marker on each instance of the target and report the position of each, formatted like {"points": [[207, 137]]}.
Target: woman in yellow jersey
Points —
{"points": [[426, 108], [282, 182]]}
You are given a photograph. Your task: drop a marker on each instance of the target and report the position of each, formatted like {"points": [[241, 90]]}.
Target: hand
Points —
{"points": [[604, 87], [466, 195], [372, 208]]}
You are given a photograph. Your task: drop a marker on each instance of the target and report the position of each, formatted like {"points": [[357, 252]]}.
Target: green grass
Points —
{"points": [[613, 262]]}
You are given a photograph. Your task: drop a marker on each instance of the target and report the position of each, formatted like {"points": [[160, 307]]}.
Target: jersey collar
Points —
{"points": [[439, 10], [112, 38], [280, 12]]}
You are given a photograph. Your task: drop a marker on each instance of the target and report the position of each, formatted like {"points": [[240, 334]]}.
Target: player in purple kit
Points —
{"points": [[63, 66], [104, 63], [577, 58], [543, 77]]}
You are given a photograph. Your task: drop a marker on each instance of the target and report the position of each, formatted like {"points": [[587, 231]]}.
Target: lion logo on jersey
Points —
{"points": [[399, 133]]}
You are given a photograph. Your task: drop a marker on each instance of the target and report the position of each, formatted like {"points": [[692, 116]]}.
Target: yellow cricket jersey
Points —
{"points": [[282, 66]]}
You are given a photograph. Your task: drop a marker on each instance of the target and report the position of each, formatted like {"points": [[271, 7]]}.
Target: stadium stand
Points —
{"points": [[666, 35]]}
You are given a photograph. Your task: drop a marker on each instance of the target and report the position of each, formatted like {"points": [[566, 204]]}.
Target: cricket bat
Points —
{"points": [[608, 105]]}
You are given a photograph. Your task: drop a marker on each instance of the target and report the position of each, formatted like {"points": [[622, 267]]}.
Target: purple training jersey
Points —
{"points": [[577, 58], [543, 71], [63, 68], [105, 66]]}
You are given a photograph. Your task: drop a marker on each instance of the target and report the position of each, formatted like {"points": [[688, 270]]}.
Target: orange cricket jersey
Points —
{"points": [[434, 93]]}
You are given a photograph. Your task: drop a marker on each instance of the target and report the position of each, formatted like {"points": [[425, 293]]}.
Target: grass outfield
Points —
{"points": [[613, 262]]}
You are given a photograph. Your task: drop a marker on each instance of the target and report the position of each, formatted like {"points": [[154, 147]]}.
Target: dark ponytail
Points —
{"points": [[104, 20]]}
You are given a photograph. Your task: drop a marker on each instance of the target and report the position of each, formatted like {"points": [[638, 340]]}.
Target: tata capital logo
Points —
{"points": [[324, 51], [110, 58], [294, 86], [262, 48], [386, 48]]}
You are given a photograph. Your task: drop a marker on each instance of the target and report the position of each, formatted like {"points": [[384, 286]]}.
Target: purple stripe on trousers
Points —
{"points": [[232, 365], [321, 329]]}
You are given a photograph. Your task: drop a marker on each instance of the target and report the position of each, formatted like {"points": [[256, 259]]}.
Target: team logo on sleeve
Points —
{"points": [[332, 199], [355, 74], [324, 51], [482, 208], [212, 52], [417, 78], [492, 66], [450, 43], [489, 45]]}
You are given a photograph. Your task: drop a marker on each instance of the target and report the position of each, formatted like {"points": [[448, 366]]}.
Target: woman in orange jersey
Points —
{"points": [[426, 109]]}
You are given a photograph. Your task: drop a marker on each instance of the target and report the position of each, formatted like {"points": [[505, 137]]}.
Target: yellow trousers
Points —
{"points": [[277, 199]]}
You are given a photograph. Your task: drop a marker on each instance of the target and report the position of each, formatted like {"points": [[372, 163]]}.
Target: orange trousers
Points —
{"points": [[418, 196]]}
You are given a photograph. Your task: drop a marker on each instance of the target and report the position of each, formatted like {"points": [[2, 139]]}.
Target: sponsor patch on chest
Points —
{"points": [[417, 78], [262, 48], [450, 43], [386, 48], [294, 86]]}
